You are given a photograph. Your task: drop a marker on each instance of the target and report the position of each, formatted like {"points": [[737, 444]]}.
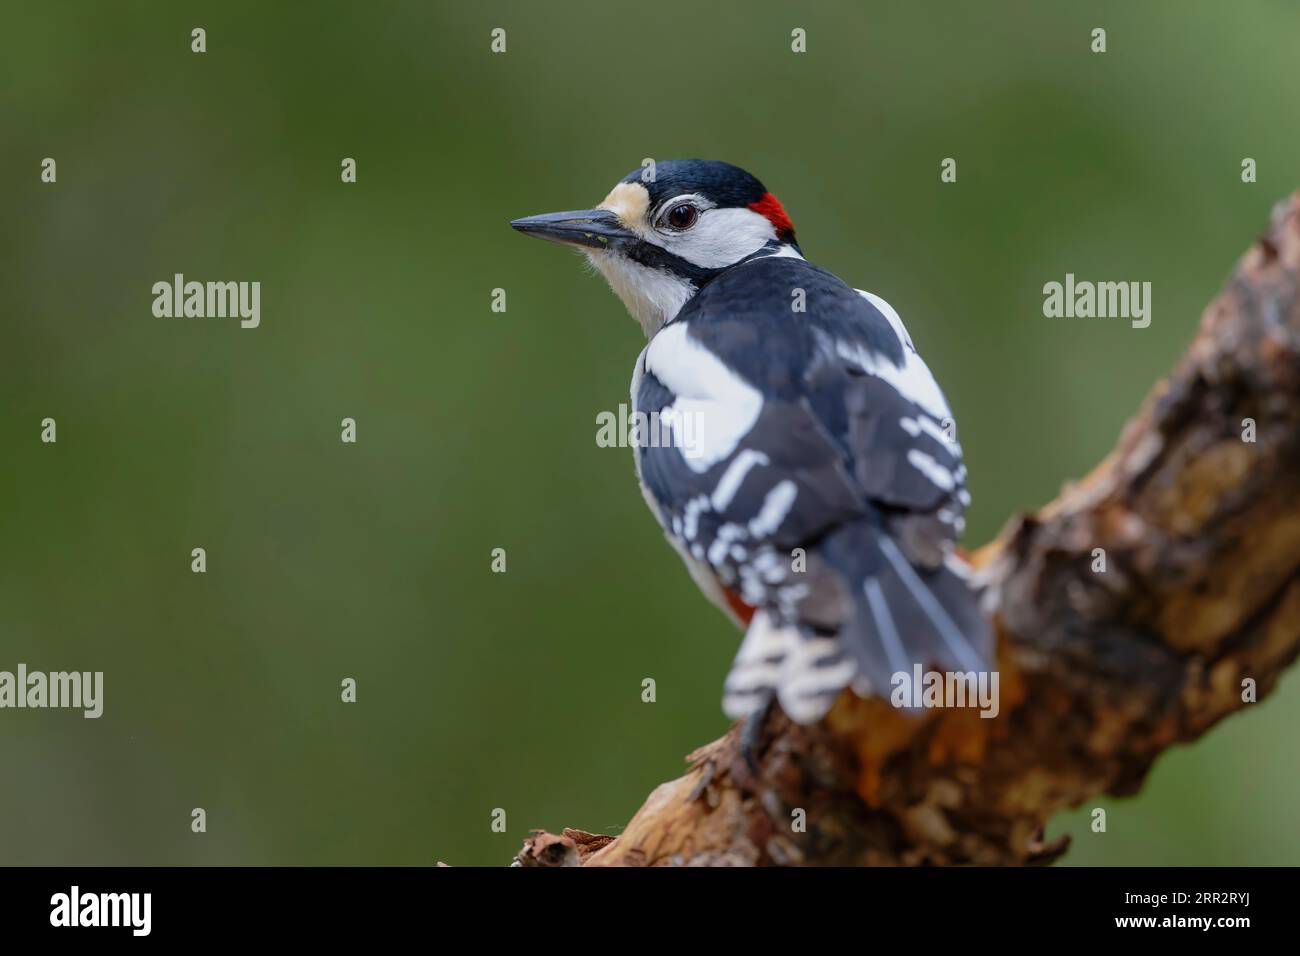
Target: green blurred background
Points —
{"points": [[477, 429]]}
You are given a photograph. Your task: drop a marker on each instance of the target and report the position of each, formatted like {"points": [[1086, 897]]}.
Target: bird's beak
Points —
{"points": [[596, 228]]}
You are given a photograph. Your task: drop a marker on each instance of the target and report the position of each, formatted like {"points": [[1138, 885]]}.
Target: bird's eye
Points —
{"points": [[682, 216]]}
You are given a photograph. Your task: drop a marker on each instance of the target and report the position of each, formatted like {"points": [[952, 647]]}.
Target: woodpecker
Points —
{"points": [[813, 485]]}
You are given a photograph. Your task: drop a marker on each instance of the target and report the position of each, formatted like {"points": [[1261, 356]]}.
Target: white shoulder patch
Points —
{"points": [[890, 314], [715, 408], [912, 378]]}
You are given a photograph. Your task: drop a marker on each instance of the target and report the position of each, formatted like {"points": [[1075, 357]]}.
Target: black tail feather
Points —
{"points": [[905, 615]]}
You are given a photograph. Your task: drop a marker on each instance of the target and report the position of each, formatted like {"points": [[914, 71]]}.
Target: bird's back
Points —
{"points": [[820, 432]]}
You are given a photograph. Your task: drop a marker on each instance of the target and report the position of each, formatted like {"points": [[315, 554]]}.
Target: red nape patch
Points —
{"points": [[737, 605], [771, 209]]}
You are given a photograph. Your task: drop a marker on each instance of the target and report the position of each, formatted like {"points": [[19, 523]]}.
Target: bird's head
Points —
{"points": [[667, 229]]}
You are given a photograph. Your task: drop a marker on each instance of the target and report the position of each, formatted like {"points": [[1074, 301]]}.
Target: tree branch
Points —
{"points": [[1100, 671]]}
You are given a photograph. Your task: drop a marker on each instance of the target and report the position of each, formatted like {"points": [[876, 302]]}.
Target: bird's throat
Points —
{"points": [[652, 296]]}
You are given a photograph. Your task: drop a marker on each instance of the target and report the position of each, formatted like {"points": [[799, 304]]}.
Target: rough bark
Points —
{"points": [[1100, 672]]}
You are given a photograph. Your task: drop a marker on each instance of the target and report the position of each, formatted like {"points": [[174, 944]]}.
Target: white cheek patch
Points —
{"points": [[721, 237]]}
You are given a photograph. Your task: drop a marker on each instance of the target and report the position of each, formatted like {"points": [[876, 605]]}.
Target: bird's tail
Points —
{"points": [[893, 615]]}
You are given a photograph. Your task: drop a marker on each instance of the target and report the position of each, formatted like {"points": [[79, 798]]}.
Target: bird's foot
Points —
{"points": [[751, 734]]}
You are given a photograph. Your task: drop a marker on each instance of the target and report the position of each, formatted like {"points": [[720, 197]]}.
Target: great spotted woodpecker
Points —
{"points": [[820, 496]]}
